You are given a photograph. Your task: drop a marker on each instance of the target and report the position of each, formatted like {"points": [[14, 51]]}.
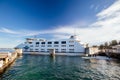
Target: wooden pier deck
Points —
{"points": [[10, 61]]}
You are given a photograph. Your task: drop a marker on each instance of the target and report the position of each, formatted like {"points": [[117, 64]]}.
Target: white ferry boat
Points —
{"points": [[71, 45]]}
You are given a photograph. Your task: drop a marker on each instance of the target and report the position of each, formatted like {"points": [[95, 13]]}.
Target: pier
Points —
{"points": [[52, 52], [7, 58], [91, 51]]}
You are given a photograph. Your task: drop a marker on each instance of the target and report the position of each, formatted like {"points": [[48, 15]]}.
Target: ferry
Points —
{"points": [[70, 45]]}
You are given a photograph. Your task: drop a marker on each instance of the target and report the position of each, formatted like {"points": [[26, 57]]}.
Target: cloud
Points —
{"points": [[105, 28], [5, 30], [108, 22], [94, 7], [23, 32], [111, 11]]}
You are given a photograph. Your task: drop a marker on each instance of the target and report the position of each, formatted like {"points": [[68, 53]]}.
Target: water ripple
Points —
{"points": [[31, 67]]}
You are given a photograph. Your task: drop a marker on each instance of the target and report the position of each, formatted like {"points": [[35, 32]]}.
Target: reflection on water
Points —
{"points": [[35, 67]]}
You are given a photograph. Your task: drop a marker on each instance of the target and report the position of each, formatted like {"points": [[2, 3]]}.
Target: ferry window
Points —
{"points": [[71, 45], [56, 42], [30, 42], [71, 41], [42, 50], [49, 45], [72, 36], [48, 50], [63, 50], [71, 50], [37, 42], [37, 45], [36, 49], [56, 49], [56, 46], [49, 42], [31, 45], [63, 42], [42, 42], [63, 45], [42, 45]]}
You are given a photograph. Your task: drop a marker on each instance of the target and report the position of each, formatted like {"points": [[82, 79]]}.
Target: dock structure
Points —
{"points": [[18, 51], [91, 51], [7, 58], [3, 60], [52, 52]]}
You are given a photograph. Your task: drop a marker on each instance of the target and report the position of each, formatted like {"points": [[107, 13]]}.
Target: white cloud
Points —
{"points": [[106, 28], [5, 30], [23, 32], [111, 11]]}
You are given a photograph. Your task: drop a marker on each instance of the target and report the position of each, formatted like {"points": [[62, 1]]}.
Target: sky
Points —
{"points": [[93, 21]]}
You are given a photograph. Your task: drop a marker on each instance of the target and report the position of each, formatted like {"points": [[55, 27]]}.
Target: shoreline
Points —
{"points": [[110, 55]]}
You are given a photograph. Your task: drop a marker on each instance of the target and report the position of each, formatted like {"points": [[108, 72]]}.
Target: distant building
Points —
{"points": [[116, 49], [92, 50]]}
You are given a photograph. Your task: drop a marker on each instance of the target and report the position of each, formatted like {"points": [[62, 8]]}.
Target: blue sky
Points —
{"points": [[59, 19]]}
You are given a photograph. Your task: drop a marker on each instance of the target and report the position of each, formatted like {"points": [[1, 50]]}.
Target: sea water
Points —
{"points": [[43, 67]]}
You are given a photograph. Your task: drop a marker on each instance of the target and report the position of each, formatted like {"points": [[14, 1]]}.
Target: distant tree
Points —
{"points": [[94, 46], [113, 43], [106, 46], [101, 46]]}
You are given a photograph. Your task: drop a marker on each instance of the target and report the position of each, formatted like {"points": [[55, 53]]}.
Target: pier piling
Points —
{"points": [[18, 51], [52, 52]]}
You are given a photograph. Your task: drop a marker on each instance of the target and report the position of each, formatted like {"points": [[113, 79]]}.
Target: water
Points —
{"points": [[36, 67], [7, 50]]}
